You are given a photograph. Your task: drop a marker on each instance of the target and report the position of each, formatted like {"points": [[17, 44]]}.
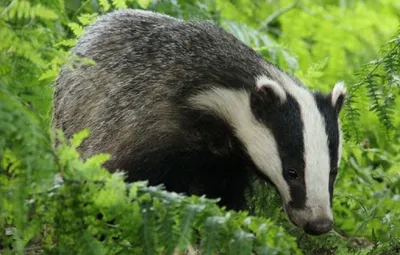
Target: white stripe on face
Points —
{"points": [[316, 150], [340, 149], [234, 107]]}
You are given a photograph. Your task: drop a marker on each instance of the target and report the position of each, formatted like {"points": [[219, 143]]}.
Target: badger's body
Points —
{"points": [[188, 105]]}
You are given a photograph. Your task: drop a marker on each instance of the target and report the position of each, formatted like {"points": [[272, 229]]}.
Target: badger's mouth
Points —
{"points": [[310, 222]]}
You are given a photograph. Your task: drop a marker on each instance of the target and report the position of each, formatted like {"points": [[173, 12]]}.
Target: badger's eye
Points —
{"points": [[292, 174]]}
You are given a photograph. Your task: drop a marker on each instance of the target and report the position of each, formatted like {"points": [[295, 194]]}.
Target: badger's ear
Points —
{"points": [[271, 90], [337, 96]]}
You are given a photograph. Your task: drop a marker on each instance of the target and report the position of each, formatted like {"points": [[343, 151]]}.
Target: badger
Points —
{"points": [[187, 105]]}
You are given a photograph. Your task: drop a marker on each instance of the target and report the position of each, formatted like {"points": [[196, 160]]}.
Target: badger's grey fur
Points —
{"points": [[188, 105]]}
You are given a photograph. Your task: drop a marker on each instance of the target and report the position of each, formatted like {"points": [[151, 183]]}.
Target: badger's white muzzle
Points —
{"points": [[314, 221]]}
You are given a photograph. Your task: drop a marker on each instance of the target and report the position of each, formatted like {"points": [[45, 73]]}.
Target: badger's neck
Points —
{"points": [[234, 107]]}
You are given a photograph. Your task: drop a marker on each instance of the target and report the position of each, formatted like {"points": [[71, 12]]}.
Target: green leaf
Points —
{"points": [[78, 138], [190, 212], [87, 18], [76, 28], [241, 243], [144, 3], [148, 227], [105, 4], [120, 4]]}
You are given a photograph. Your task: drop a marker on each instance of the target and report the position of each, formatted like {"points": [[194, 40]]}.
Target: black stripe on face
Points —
{"points": [[332, 131], [286, 124]]}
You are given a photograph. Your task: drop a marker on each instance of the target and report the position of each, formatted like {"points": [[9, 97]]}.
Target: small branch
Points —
{"points": [[278, 13]]}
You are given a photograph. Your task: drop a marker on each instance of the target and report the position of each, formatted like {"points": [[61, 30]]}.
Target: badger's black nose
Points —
{"points": [[318, 227]]}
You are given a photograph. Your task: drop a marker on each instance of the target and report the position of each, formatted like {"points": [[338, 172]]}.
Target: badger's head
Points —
{"points": [[307, 146], [292, 136]]}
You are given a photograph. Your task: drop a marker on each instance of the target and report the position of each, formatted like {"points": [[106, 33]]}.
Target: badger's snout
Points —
{"points": [[318, 227], [314, 221]]}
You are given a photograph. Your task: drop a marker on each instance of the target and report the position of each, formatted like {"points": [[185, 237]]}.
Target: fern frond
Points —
{"points": [[215, 231], [352, 116], [190, 212], [168, 234], [15, 44], [242, 243], [144, 3], [380, 79], [105, 4], [76, 28], [40, 11], [87, 18], [119, 4], [24, 10], [148, 229], [263, 44]]}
